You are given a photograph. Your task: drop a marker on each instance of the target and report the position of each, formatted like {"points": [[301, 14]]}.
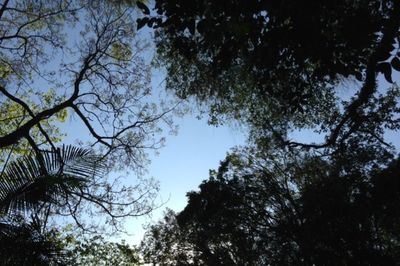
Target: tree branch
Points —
{"points": [[3, 8], [390, 32]]}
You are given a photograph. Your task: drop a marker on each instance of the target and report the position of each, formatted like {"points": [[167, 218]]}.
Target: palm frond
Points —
{"points": [[46, 178]]}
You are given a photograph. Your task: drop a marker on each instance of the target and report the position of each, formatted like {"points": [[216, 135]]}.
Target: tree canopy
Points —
{"points": [[279, 66], [96, 250], [281, 209], [80, 58], [70, 66], [274, 66], [81, 61], [27, 244]]}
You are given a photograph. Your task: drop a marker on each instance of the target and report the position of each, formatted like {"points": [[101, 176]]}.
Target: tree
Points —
{"points": [[290, 209], [96, 250], [56, 181], [13, 116], [34, 187], [166, 243], [25, 243], [82, 60], [278, 66], [102, 80]]}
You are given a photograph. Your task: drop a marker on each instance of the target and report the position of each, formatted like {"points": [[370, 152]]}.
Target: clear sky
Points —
{"points": [[187, 157], [184, 162]]}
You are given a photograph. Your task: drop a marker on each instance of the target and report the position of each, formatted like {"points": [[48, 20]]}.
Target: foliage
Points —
{"points": [[70, 182], [12, 115], [165, 243], [278, 66], [57, 178], [23, 243], [287, 209], [53, 182], [97, 251], [103, 79], [80, 60]]}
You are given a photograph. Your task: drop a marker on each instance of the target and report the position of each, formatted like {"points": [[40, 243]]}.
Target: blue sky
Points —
{"points": [[187, 157], [180, 166], [184, 162]]}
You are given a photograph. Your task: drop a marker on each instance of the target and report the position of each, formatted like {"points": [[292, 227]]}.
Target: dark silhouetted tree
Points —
{"points": [[280, 66], [289, 209]]}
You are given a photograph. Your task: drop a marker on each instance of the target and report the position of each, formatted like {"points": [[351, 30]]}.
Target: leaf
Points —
{"points": [[50, 177], [382, 56], [201, 27], [5, 70], [154, 22], [358, 76], [141, 22], [157, 23], [144, 8], [386, 69], [395, 63], [192, 26]]}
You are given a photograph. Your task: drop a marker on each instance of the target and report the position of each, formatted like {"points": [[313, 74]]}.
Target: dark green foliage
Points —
{"points": [[351, 220], [278, 66], [29, 187], [96, 250], [167, 244], [265, 34], [290, 210], [25, 244], [46, 178]]}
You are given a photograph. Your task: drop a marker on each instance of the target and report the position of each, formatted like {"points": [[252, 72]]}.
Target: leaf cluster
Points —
{"points": [[285, 210]]}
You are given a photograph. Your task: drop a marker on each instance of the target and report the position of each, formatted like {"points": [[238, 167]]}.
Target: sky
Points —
{"points": [[180, 165], [184, 163], [186, 159]]}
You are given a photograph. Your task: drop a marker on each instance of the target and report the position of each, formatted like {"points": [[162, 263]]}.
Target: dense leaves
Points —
{"points": [[166, 243], [293, 210], [96, 250], [266, 34], [47, 178], [23, 243], [278, 66]]}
